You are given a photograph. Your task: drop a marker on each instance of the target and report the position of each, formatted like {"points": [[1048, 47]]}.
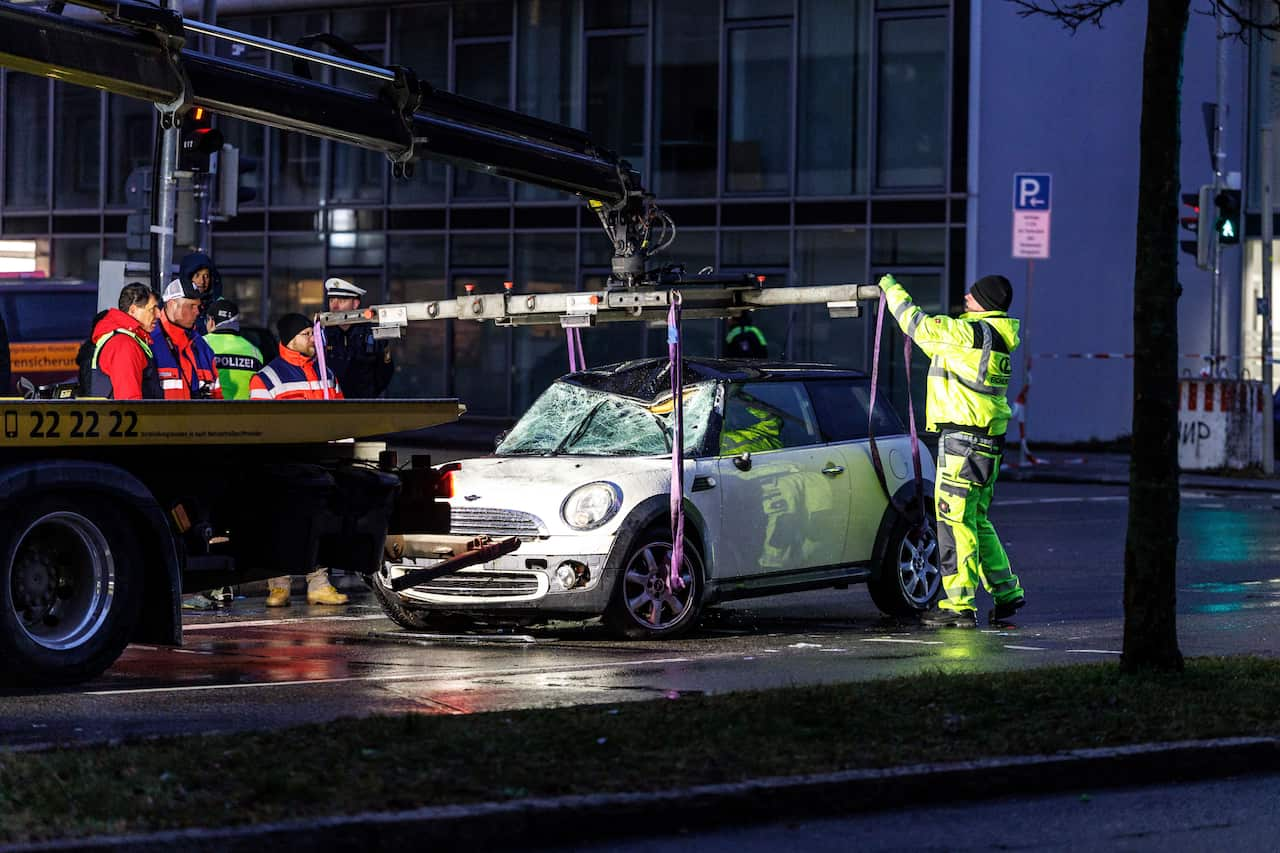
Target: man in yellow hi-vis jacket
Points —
{"points": [[969, 371]]}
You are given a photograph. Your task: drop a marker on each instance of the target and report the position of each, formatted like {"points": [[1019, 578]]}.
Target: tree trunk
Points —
{"points": [[1151, 546]]}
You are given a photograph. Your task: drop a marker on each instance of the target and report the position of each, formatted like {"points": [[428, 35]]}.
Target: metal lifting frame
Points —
{"points": [[700, 298]]}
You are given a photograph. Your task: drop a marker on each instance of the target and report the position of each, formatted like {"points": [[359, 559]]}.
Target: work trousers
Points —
{"points": [[969, 548]]}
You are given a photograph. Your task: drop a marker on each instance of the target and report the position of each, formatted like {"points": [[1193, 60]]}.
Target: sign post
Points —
{"points": [[1032, 202]]}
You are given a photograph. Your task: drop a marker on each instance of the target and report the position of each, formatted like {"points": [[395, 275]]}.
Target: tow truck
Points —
{"points": [[114, 508]]}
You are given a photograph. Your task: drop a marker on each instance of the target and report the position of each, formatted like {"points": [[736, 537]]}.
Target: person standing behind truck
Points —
{"points": [[124, 365], [198, 269], [236, 358], [362, 362], [294, 375], [183, 358]]}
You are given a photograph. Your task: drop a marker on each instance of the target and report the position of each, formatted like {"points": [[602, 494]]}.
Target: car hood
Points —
{"points": [[517, 482]]}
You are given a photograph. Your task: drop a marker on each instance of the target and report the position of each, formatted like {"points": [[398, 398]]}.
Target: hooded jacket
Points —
{"points": [[124, 367], [292, 376], [185, 363], [187, 268]]}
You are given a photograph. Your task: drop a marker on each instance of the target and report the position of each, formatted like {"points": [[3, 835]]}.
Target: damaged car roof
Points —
{"points": [[647, 378]]}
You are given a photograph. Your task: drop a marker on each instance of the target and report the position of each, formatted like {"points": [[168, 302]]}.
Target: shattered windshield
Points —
{"points": [[580, 421]]}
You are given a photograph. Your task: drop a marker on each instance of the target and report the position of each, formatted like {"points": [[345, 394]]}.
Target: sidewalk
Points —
{"points": [[1112, 469]]}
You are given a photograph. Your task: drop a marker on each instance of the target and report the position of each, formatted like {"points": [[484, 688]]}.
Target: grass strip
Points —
{"points": [[392, 763]]}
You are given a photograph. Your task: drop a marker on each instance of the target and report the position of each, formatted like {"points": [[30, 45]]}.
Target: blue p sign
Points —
{"points": [[1032, 191]]}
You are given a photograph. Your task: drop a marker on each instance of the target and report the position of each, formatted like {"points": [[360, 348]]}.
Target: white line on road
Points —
{"points": [[1025, 648], [278, 623], [1092, 652], [901, 640], [421, 676]]}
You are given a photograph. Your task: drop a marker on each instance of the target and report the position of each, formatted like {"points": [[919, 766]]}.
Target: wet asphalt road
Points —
{"points": [[250, 669]]}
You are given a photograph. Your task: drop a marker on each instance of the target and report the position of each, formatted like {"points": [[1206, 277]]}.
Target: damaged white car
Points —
{"points": [[780, 495]]}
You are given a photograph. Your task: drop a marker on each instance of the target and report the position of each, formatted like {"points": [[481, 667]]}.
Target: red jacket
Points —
{"points": [[124, 359], [292, 376], [185, 362]]}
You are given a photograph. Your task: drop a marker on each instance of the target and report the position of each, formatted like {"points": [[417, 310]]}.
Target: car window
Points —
{"points": [[573, 420], [50, 315], [762, 416], [842, 409]]}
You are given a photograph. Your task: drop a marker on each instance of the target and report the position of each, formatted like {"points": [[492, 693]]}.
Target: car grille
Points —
{"points": [[475, 520], [483, 585]]}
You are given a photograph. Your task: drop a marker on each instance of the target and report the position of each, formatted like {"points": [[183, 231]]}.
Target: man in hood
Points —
{"points": [[198, 270], [124, 366]]}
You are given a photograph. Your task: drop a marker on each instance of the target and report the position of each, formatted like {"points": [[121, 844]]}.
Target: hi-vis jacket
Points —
{"points": [[292, 376], [184, 362], [971, 363], [123, 365]]}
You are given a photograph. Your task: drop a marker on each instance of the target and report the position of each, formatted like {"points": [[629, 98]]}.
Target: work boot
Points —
{"points": [[1004, 611], [278, 596], [936, 617], [326, 595]]}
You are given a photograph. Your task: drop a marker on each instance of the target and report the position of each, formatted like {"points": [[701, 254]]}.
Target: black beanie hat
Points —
{"points": [[993, 292], [289, 325]]}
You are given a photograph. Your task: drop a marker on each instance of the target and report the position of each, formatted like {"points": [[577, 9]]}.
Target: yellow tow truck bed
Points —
{"points": [[101, 423]]}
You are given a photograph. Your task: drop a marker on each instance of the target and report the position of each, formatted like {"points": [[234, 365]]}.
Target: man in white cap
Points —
{"points": [[362, 363]]}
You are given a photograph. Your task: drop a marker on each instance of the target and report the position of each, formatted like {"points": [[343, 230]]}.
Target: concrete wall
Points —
{"points": [[1048, 101]]}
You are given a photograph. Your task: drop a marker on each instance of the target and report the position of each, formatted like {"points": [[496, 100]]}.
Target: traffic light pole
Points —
{"points": [[1264, 307], [165, 187], [1219, 162]]}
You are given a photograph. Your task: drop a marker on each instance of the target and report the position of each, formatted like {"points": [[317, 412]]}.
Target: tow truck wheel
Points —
{"points": [[644, 604], [910, 577], [70, 590], [415, 619]]}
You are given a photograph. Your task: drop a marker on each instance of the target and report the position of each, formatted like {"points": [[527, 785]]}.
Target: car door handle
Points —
{"points": [[701, 484], [833, 470]]}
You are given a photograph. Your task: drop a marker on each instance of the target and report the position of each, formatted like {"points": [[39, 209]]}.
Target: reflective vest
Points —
{"points": [[292, 376], [236, 360], [746, 342], [970, 363], [149, 381], [185, 363]]}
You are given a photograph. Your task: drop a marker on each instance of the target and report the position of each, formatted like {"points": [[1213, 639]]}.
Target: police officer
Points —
{"points": [[362, 363], [965, 402], [235, 356]]}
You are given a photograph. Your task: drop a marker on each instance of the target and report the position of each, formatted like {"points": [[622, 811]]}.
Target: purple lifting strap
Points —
{"points": [[324, 368], [676, 367], [911, 414]]}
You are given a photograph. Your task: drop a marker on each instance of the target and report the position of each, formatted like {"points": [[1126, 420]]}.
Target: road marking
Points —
{"points": [[1092, 652], [279, 623], [901, 640], [421, 676], [1024, 648]]}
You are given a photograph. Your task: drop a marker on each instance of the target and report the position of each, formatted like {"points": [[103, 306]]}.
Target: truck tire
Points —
{"points": [[910, 578], [70, 590], [414, 618], [642, 607]]}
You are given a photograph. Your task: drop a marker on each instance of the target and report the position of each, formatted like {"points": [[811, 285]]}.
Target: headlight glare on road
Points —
{"points": [[590, 506]]}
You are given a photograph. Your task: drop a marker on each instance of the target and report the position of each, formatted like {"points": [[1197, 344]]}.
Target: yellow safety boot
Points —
{"points": [[325, 595], [278, 596]]}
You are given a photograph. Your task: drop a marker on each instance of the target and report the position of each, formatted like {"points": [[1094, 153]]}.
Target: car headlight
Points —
{"points": [[590, 506]]}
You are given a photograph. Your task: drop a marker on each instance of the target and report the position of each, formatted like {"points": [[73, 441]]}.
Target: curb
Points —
{"points": [[1194, 481], [568, 819]]}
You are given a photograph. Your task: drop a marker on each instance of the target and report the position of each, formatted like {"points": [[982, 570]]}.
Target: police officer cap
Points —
{"points": [[993, 292], [342, 289], [289, 325], [180, 289], [224, 311]]}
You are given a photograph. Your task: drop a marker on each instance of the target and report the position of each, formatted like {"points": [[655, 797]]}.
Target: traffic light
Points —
{"points": [[1227, 225], [199, 141], [237, 181], [1196, 220]]}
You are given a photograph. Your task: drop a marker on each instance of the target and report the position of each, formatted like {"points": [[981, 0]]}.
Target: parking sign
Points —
{"points": [[1032, 200]]}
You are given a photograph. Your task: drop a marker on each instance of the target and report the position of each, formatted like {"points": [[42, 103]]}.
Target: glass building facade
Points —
{"points": [[811, 141]]}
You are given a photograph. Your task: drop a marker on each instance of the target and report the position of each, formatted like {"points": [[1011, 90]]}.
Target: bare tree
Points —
{"points": [[1151, 544]]}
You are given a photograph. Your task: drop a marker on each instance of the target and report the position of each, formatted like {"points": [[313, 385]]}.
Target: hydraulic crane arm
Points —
{"points": [[137, 51]]}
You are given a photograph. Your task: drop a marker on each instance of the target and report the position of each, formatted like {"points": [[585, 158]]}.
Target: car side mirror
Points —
{"points": [[743, 461]]}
